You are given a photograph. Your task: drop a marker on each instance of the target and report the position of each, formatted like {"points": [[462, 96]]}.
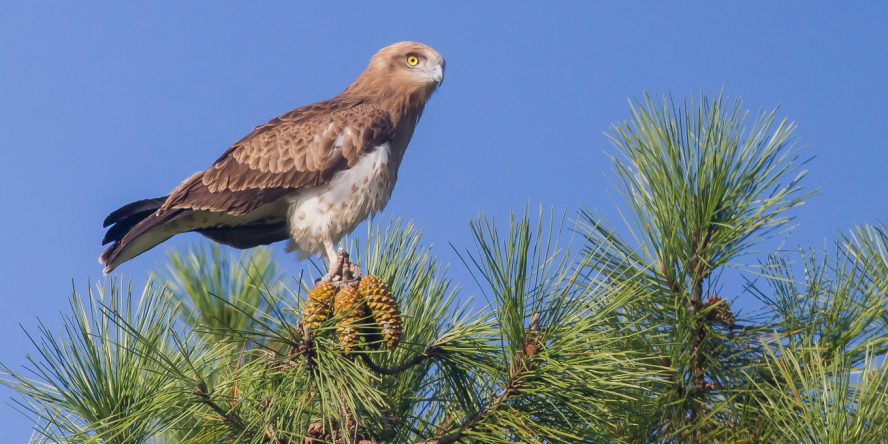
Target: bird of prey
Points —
{"points": [[311, 175]]}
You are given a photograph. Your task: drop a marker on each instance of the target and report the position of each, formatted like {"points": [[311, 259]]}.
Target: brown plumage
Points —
{"points": [[311, 174]]}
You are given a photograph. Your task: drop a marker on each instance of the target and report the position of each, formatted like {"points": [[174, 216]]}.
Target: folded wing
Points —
{"points": [[231, 202]]}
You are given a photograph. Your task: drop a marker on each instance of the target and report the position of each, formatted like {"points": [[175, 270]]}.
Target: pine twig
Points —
{"points": [[431, 352], [204, 398], [271, 433]]}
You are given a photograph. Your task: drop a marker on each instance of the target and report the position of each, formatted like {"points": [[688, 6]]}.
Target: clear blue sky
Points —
{"points": [[102, 103]]}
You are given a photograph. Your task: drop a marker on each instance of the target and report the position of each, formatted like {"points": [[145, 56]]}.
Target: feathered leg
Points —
{"points": [[331, 252], [332, 261]]}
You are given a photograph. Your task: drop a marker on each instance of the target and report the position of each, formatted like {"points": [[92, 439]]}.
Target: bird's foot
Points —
{"points": [[336, 264], [342, 270]]}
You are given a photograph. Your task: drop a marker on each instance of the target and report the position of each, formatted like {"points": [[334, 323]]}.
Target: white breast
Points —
{"points": [[335, 209]]}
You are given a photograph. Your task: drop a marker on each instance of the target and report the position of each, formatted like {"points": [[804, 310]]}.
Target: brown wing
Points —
{"points": [[302, 148]]}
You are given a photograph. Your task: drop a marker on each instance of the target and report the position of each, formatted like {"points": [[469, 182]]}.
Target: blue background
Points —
{"points": [[102, 103]]}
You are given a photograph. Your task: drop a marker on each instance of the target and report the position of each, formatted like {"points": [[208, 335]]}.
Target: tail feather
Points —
{"points": [[140, 207], [137, 228], [121, 228]]}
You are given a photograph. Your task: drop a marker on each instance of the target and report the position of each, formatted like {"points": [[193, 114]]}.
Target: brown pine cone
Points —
{"points": [[384, 309], [350, 306], [317, 307]]}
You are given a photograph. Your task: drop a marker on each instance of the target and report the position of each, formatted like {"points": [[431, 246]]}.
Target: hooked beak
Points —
{"points": [[437, 74]]}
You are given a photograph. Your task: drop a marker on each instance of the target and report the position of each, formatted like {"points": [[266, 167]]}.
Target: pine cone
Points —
{"points": [[384, 309], [317, 307], [350, 306]]}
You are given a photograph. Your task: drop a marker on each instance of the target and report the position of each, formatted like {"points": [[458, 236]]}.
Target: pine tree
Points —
{"points": [[583, 331]]}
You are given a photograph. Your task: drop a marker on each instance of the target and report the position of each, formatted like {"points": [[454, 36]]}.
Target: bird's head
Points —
{"points": [[405, 71]]}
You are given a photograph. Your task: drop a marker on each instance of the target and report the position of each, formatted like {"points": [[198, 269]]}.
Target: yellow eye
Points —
{"points": [[412, 60]]}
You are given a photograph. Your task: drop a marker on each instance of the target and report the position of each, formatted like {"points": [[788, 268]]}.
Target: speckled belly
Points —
{"points": [[333, 210]]}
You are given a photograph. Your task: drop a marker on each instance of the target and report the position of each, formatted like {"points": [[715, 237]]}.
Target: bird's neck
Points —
{"points": [[402, 106]]}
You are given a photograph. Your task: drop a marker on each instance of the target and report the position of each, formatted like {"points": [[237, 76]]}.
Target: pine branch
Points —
{"points": [[519, 368]]}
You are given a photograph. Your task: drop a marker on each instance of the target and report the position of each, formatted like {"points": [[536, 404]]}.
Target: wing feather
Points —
{"points": [[302, 148]]}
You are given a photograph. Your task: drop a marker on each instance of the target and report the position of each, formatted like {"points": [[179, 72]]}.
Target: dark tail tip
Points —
{"points": [[141, 208], [128, 216], [122, 221]]}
